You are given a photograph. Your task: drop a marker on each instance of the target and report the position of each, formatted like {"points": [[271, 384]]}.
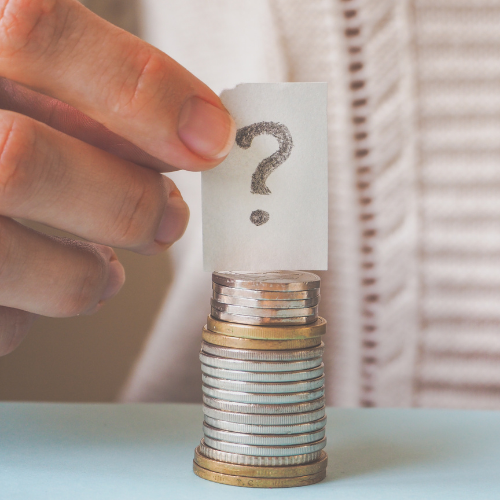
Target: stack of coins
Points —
{"points": [[263, 393], [275, 298]]}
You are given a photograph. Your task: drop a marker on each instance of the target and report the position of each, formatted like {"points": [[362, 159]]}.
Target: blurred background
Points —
{"points": [[412, 294]]}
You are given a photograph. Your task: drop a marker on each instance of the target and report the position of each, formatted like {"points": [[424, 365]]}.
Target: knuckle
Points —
{"points": [[14, 325], [141, 84], [7, 249], [135, 224], [17, 144], [7, 344], [86, 287], [25, 25]]}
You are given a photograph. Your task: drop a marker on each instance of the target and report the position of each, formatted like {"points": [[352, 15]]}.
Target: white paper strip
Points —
{"points": [[266, 206]]}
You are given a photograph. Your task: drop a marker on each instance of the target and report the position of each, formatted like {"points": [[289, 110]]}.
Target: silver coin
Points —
{"points": [[258, 366], [265, 304], [263, 376], [260, 321], [265, 295], [262, 439], [264, 399], [263, 420], [236, 458], [270, 409], [268, 280], [264, 313], [264, 387], [258, 355], [264, 451], [313, 426]]}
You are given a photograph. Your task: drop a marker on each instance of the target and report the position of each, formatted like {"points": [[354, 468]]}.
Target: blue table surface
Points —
{"points": [[122, 452]]}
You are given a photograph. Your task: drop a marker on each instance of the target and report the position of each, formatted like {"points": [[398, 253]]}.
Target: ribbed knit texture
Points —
{"points": [[458, 58], [377, 43]]}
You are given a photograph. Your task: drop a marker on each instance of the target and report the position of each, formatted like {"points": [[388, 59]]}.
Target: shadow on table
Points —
{"points": [[361, 446], [372, 456]]}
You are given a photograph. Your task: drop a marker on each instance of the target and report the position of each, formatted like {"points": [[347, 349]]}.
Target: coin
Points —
{"points": [[263, 439], [265, 304], [253, 355], [283, 420], [263, 376], [258, 366], [269, 280], [264, 399], [260, 471], [265, 295], [263, 312], [240, 343], [238, 459], [258, 482], [315, 425], [264, 451], [266, 409], [284, 332], [264, 387], [259, 320]]}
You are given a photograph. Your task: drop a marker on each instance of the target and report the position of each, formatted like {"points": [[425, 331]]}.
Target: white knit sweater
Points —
{"points": [[412, 294]]}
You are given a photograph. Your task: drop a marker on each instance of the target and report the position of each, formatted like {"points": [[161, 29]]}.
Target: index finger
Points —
{"points": [[60, 48]]}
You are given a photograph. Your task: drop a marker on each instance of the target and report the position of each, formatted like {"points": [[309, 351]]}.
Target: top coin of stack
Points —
{"points": [[283, 298]]}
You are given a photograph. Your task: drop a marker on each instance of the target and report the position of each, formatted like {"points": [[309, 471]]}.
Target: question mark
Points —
{"points": [[244, 138]]}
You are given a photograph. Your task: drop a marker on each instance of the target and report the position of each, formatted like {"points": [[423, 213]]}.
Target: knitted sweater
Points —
{"points": [[412, 294]]}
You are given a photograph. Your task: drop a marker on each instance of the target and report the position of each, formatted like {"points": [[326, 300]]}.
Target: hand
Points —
{"points": [[89, 117]]}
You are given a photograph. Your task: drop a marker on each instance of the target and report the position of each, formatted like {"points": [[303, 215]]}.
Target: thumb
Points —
{"points": [[63, 50]]}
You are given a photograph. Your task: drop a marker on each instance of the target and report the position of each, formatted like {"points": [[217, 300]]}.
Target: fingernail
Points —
{"points": [[205, 129], [116, 279], [174, 221]]}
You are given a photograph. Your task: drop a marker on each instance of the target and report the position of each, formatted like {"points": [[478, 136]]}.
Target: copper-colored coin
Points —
{"points": [[283, 281], [266, 304], [263, 295], [267, 472], [315, 329], [263, 345], [243, 319], [274, 313], [258, 482]]}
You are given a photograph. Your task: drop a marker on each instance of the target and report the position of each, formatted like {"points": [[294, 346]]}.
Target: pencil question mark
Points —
{"points": [[244, 138]]}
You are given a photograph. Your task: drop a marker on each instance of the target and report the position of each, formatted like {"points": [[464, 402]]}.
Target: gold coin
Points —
{"points": [[258, 482], [252, 471], [267, 332], [263, 345]]}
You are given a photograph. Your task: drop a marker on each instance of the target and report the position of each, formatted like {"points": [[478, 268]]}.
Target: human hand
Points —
{"points": [[89, 117]]}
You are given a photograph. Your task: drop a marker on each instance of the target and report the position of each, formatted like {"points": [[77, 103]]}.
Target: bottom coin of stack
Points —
{"points": [[263, 394]]}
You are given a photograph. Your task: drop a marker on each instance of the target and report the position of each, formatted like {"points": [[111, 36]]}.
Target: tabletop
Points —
{"points": [[145, 451]]}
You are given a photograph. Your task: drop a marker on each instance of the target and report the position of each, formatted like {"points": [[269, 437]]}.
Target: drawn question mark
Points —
{"points": [[244, 138]]}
